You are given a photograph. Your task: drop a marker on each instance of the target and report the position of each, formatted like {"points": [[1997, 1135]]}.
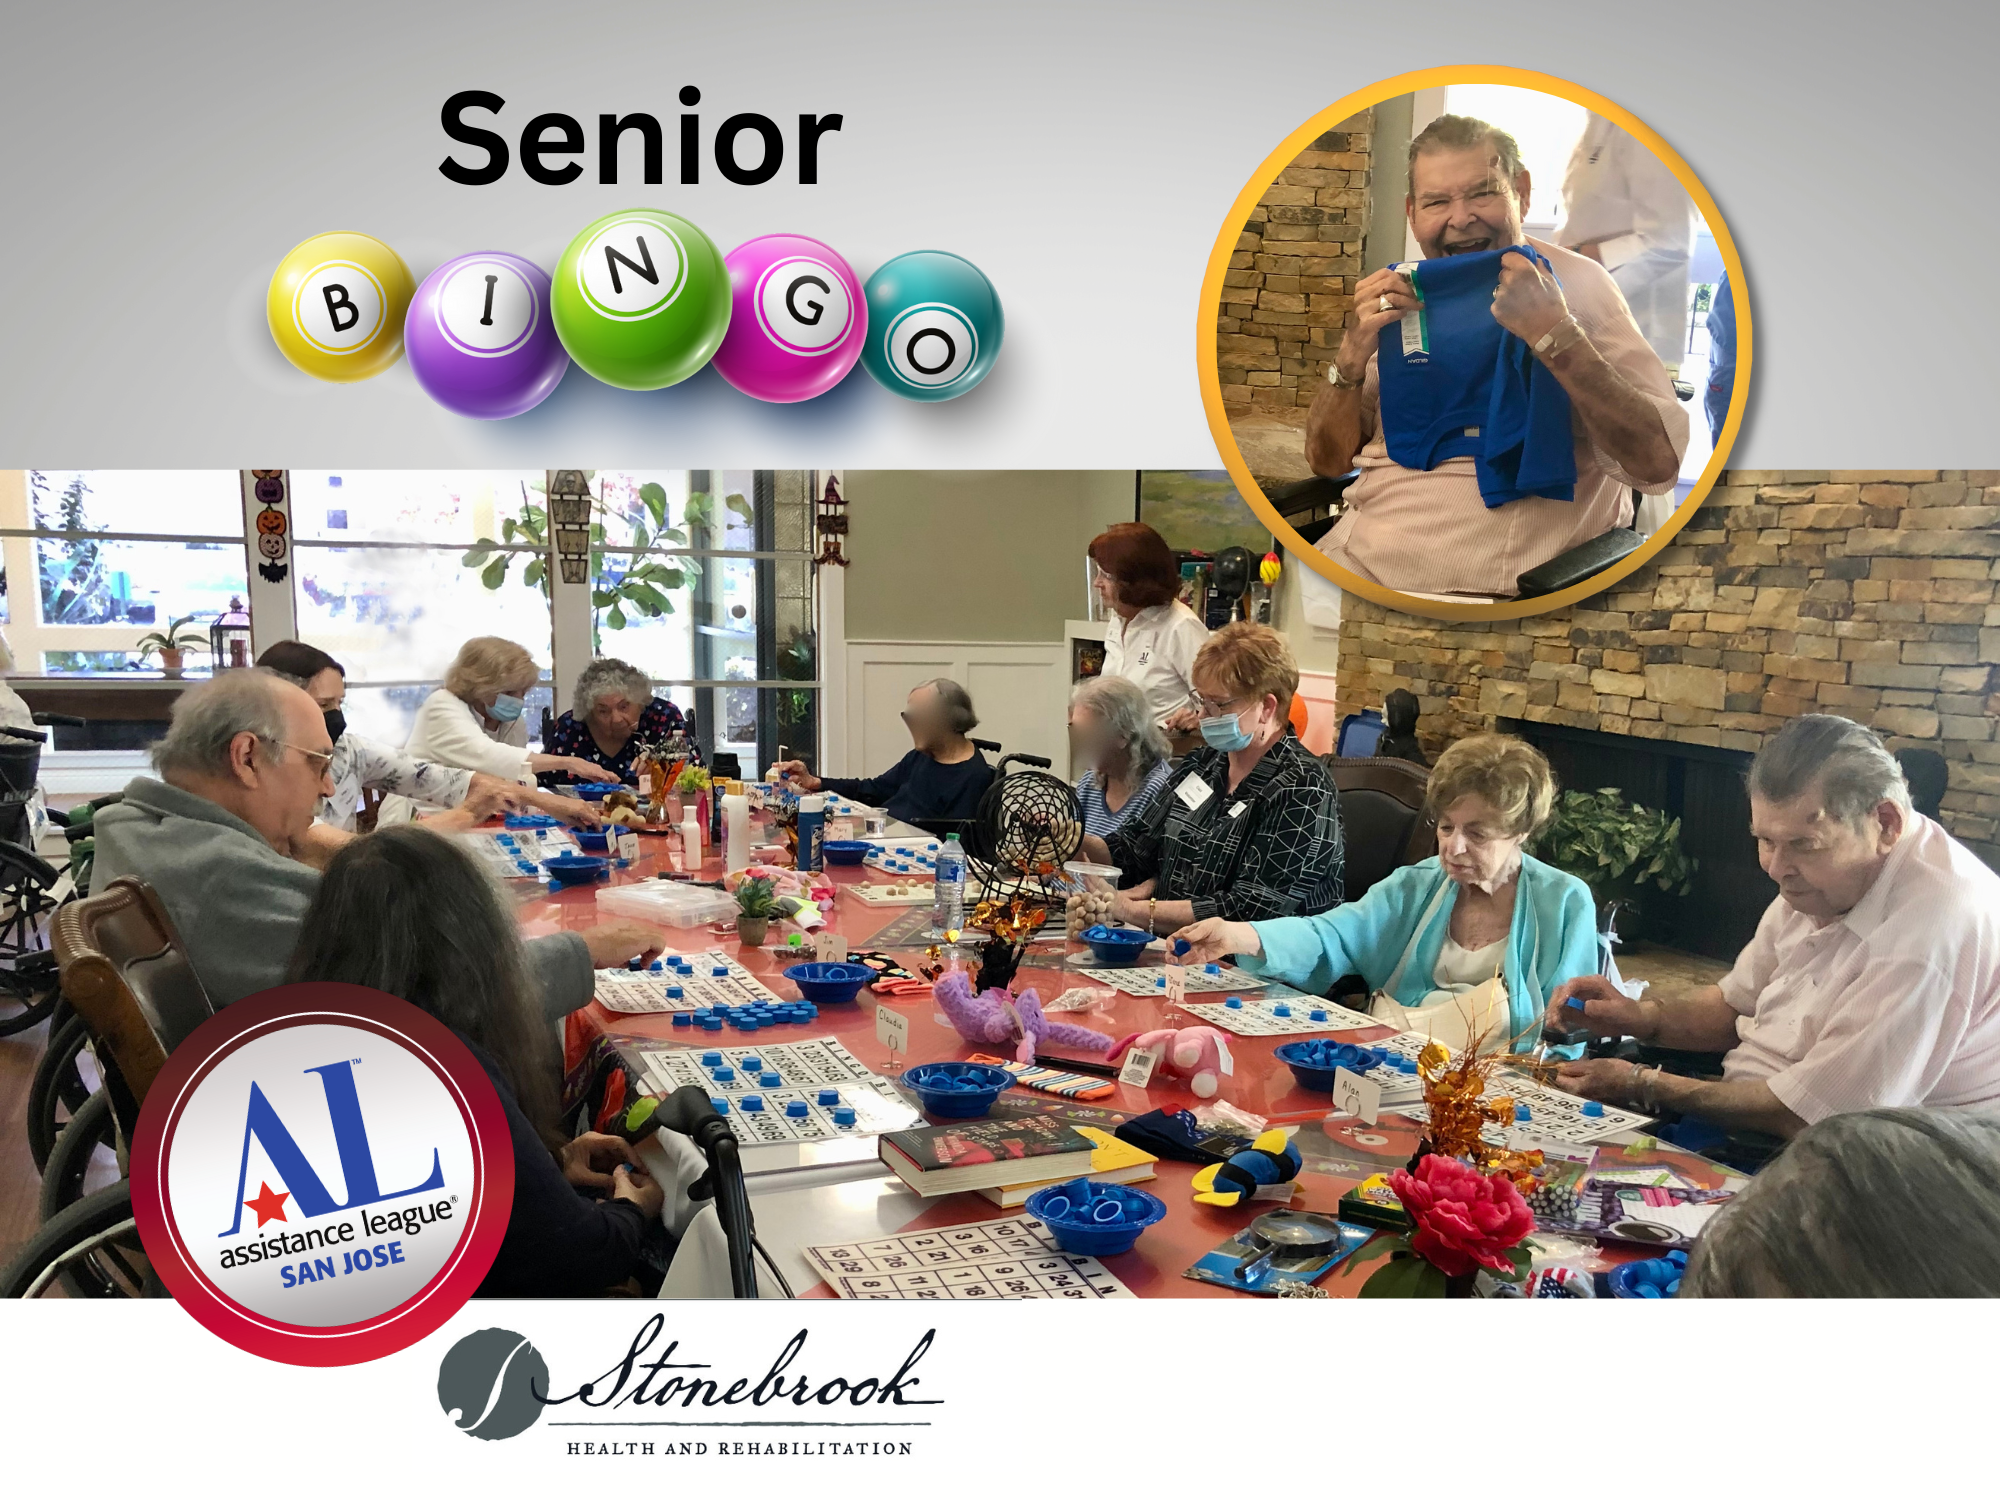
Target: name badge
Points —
{"points": [[1193, 791]]}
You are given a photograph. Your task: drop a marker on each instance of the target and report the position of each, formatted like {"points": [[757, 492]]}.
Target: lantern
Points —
{"points": [[229, 638], [569, 523]]}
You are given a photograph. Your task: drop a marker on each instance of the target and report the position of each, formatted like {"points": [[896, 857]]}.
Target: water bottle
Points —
{"points": [[812, 829], [948, 902]]}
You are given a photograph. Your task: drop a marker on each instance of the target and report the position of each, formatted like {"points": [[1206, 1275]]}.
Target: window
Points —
{"points": [[382, 586], [97, 560], [704, 579]]}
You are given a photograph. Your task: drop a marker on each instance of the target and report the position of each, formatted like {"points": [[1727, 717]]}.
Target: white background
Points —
{"points": [[161, 160]]}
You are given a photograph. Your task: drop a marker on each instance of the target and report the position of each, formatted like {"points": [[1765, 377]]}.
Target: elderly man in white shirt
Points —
{"points": [[1874, 977]]}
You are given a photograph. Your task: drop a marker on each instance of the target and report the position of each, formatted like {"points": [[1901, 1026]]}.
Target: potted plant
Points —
{"points": [[1617, 848], [693, 784], [173, 644], [755, 901]]}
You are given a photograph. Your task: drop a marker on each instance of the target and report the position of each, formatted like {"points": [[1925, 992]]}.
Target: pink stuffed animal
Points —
{"points": [[1199, 1053], [997, 1017]]}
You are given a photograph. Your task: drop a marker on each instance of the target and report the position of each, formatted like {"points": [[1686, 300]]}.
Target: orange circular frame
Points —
{"points": [[1211, 309]]}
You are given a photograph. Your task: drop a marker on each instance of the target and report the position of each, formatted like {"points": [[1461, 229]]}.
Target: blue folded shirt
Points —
{"points": [[1455, 384]]}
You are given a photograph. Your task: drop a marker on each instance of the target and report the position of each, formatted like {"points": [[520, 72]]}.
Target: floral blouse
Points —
{"points": [[571, 736]]}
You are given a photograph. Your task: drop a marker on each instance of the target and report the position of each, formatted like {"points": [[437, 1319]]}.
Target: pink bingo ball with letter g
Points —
{"points": [[797, 321]]}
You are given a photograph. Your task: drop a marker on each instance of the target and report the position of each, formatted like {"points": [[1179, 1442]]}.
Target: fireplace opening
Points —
{"points": [[1701, 786]]}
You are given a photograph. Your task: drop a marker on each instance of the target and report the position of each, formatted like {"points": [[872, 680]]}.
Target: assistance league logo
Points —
{"points": [[322, 1174]]}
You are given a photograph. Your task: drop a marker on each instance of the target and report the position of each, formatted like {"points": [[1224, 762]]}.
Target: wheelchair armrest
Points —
{"points": [[1299, 503], [1585, 560]]}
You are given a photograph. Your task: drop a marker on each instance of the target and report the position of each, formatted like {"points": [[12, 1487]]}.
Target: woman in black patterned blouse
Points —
{"points": [[613, 712]]}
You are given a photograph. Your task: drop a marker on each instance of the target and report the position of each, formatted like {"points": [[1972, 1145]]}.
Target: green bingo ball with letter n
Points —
{"points": [[641, 299], [934, 325]]}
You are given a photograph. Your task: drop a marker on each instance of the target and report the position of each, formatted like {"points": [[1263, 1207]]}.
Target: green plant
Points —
{"points": [[756, 897], [176, 637], [639, 585], [693, 779], [1616, 847]]}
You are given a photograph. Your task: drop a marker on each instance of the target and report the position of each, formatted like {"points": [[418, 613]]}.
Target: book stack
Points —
{"points": [[1008, 1159]]}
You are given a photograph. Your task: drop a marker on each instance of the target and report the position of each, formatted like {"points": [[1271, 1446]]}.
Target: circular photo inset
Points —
{"points": [[1474, 342]]}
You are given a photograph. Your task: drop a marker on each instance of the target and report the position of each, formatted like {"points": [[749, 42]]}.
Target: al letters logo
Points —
{"points": [[370, 1149]]}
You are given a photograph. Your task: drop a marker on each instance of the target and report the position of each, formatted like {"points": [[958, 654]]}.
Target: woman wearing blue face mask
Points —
{"points": [[478, 721], [1249, 827]]}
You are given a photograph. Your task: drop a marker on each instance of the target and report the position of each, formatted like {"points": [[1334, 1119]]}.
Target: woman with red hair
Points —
{"points": [[1153, 637]]}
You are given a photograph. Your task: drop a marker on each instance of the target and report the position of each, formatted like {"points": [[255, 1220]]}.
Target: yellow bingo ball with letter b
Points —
{"points": [[337, 303]]}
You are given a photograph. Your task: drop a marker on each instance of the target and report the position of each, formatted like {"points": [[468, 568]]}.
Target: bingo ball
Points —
{"points": [[336, 305], [641, 299], [480, 338], [934, 325], [796, 322]]}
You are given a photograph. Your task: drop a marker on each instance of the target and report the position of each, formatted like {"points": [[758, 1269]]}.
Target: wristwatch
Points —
{"points": [[1340, 382]]}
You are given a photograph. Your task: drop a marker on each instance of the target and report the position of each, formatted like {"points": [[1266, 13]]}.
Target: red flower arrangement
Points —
{"points": [[1460, 1221]]}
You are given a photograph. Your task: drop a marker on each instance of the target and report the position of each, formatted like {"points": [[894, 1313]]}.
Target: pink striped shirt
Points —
{"points": [[1897, 1003], [1430, 533]]}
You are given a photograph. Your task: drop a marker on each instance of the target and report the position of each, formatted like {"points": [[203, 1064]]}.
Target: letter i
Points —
{"points": [[690, 138]]}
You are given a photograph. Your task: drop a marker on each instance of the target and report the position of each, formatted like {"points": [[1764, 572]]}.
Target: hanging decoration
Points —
{"points": [[831, 521], [274, 524]]}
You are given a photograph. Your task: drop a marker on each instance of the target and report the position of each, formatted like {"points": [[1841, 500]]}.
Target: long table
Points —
{"points": [[837, 1192]]}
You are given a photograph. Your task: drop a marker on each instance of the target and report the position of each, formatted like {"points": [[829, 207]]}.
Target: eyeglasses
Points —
{"points": [[323, 757], [1215, 708]]}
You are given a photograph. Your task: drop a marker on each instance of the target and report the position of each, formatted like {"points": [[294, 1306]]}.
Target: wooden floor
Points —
{"points": [[20, 1183]]}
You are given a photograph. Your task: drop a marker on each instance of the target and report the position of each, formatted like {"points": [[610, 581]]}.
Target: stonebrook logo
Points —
{"points": [[660, 1400], [322, 1174]]}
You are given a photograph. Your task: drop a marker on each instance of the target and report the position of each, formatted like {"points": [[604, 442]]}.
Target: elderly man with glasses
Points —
{"points": [[1874, 977], [226, 838]]}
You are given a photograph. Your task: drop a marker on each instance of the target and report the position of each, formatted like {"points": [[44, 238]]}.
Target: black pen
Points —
{"points": [[1071, 1064]]}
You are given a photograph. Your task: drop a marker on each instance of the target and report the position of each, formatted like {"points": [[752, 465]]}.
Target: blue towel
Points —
{"points": [[1455, 384]]}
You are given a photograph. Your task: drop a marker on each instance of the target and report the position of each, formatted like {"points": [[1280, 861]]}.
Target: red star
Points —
{"points": [[269, 1205]]}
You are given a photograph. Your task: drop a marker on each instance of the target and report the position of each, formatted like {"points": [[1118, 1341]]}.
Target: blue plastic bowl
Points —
{"points": [[957, 1090], [1070, 1210], [1116, 947], [597, 791], [829, 984], [1313, 1063], [576, 869], [1657, 1275], [593, 840], [845, 851]]}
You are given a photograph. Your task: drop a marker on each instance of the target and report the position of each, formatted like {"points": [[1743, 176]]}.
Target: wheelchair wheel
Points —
{"points": [[59, 1087], [92, 1247], [30, 891], [87, 1146]]}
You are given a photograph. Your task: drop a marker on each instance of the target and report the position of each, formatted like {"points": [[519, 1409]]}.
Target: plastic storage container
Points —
{"points": [[668, 903]]}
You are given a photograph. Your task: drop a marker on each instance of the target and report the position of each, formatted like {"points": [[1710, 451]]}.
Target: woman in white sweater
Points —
{"points": [[476, 721]]}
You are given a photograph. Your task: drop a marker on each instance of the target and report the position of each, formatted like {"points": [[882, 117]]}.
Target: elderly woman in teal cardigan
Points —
{"points": [[1429, 938]]}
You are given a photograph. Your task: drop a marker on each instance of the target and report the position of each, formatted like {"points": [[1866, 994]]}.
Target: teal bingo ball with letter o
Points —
{"points": [[934, 325], [641, 299]]}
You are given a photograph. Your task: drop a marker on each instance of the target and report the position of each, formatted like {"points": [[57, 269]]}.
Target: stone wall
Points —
{"points": [[1868, 594], [1290, 283]]}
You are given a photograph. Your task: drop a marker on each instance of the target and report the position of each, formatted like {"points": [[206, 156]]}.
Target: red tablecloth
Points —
{"points": [[1261, 1084]]}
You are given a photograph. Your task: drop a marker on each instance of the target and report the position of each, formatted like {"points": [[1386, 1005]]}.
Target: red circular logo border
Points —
{"points": [[431, 1043]]}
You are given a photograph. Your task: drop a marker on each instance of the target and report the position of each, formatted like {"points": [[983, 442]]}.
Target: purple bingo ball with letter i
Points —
{"points": [[480, 339], [797, 320]]}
